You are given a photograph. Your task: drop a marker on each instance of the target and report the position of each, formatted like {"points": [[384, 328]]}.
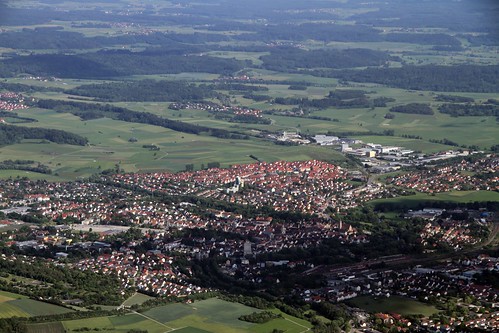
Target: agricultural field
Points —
{"points": [[46, 328], [15, 305], [212, 315], [7, 309], [393, 304], [137, 299], [109, 145]]}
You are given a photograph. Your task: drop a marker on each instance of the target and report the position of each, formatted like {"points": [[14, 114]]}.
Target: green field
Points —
{"points": [[394, 304], [7, 296], [36, 308], [212, 315], [137, 299], [15, 305], [109, 145], [455, 196], [46, 328], [7, 310]]}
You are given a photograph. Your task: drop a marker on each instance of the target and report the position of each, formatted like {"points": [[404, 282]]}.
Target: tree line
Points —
{"points": [[10, 134], [469, 110], [107, 64], [287, 59], [18, 119], [25, 165], [88, 111], [144, 90], [337, 98], [260, 317], [469, 78], [413, 108]]}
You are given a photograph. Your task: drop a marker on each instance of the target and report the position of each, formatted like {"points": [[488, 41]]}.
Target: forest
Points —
{"points": [[454, 99], [470, 110], [343, 99], [287, 59], [144, 90], [469, 78], [10, 134], [413, 108], [107, 64]]}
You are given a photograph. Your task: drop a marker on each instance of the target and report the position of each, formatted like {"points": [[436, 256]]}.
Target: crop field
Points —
{"points": [[7, 310], [394, 304], [137, 299], [212, 315], [56, 327], [6, 296], [15, 305], [36, 308]]}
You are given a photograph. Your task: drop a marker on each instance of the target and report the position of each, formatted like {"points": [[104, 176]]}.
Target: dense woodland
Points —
{"points": [[413, 108], [10, 134], [469, 78], [107, 64], [301, 40], [454, 99], [260, 317], [473, 110], [145, 90], [26, 88], [291, 59], [343, 99]]}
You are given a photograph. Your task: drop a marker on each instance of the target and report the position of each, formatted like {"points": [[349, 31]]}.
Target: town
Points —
{"points": [[152, 231]]}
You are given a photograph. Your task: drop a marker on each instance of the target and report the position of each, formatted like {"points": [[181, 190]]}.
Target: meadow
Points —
{"points": [[137, 299], [46, 328], [211, 315], [414, 201], [109, 145], [393, 304], [15, 305]]}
